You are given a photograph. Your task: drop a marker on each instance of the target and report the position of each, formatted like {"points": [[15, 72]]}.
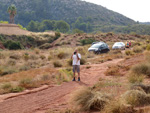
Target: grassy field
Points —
{"points": [[32, 68]]}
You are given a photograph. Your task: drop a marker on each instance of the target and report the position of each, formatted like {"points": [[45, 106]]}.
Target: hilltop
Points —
{"points": [[68, 10]]}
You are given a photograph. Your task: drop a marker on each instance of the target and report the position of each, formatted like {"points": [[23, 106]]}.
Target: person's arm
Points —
{"points": [[72, 57], [78, 56]]}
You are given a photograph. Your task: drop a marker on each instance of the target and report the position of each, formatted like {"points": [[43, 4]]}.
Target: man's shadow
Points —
{"points": [[82, 83]]}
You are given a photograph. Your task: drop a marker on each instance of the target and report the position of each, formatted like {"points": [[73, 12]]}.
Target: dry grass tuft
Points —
{"points": [[87, 100], [137, 49], [135, 78], [57, 64], [61, 55], [136, 98], [118, 106], [113, 71], [141, 87], [141, 69], [129, 52]]}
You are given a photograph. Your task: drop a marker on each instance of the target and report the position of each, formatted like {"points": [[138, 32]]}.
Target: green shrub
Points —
{"points": [[87, 41], [57, 64], [148, 47], [17, 89], [57, 35], [12, 45], [6, 86], [26, 56]]}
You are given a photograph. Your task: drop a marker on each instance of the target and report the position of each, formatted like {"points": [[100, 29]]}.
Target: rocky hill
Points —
{"points": [[68, 10]]}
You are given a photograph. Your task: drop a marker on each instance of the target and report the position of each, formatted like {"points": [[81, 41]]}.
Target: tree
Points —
{"points": [[62, 26], [12, 10], [33, 26]]}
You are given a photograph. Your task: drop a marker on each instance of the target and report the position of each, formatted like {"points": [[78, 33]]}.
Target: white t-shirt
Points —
{"points": [[75, 59]]}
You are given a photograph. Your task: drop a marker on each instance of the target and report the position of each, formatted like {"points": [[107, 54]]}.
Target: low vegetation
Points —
{"points": [[88, 100]]}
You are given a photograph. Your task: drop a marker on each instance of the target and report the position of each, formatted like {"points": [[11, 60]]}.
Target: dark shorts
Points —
{"points": [[76, 68]]}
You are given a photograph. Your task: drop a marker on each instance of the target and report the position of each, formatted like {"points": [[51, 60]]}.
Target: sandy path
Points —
{"points": [[54, 97]]}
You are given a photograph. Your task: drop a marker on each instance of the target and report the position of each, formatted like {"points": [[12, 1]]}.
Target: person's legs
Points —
{"points": [[78, 70], [74, 73]]}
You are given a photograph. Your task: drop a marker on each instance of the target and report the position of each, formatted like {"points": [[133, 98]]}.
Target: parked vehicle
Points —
{"points": [[96, 42], [99, 47], [118, 45]]}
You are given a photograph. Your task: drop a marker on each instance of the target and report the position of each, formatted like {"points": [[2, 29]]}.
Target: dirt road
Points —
{"points": [[56, 97]]}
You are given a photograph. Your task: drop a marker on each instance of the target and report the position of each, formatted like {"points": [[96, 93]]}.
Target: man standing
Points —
{"points": [[76, 64]]}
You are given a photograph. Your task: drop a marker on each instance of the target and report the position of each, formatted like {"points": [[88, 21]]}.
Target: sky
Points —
{"points": [[138, 10]]}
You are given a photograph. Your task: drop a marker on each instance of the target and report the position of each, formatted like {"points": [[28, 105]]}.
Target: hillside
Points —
{"points": [[68, 10]]}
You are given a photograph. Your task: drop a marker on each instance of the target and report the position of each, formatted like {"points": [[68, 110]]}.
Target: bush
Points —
{"points": [[65, 75], [87, 41], [6, 86], [57, 64], [112, 71], [118, 106], [141, 87], [42, 57], [136, 98], [69, 62], [82, 61], [17, 89], [87, 99], [12, 45], [11, 62], [26, 83], [148, 47], [141, 69], [2, 56], [26, 56], [45, 77], [57, 35], [45, 46], [135, 78], [33, 57], [37, 51], [61, 55], [15, 56], [49, 58], [128, 52], [137, 49], [81, 50]]}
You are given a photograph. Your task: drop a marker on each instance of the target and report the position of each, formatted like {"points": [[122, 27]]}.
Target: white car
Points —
{"points": [[118, 45]]}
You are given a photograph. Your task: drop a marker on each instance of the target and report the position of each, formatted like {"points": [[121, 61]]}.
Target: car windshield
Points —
{"points": [[118, 43], [96, 45]]}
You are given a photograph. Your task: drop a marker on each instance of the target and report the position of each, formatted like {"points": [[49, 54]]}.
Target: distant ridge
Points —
{"points": [[68, 10]]}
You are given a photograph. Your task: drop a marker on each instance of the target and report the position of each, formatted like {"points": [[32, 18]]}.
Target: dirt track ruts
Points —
{"points": [[54, 97]]}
